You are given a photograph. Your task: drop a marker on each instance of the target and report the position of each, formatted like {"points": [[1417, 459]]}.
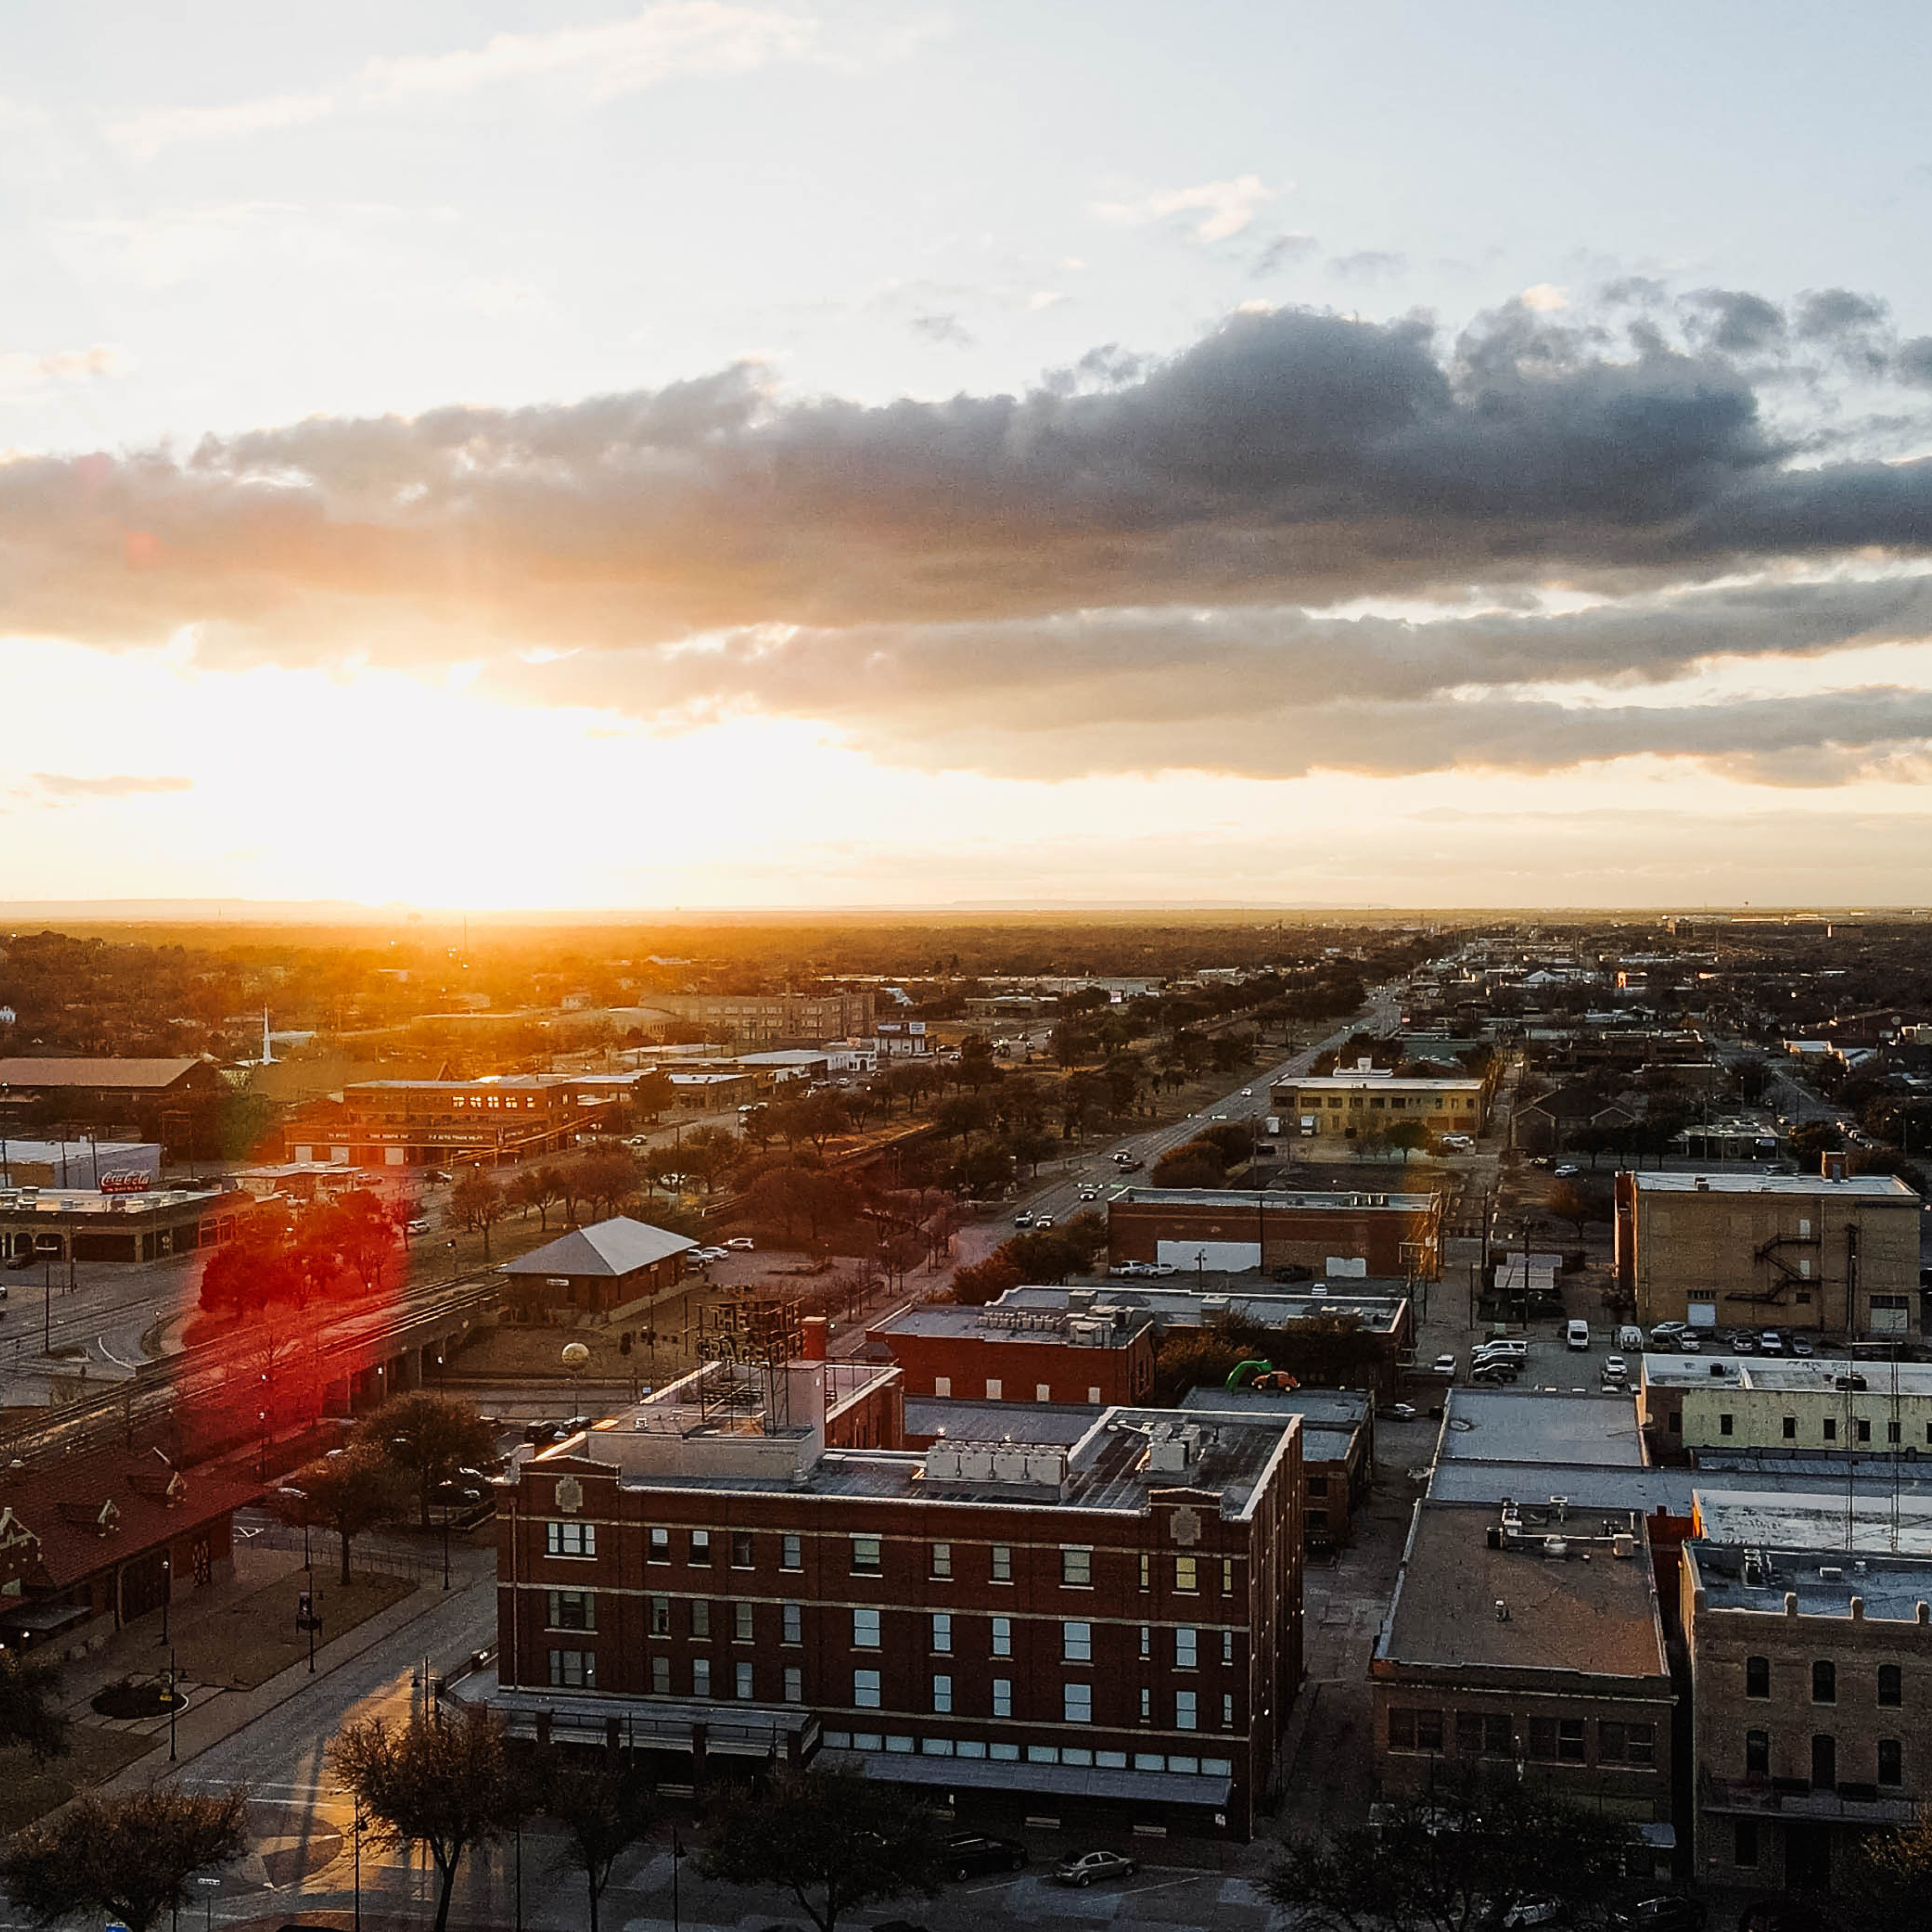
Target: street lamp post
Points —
{"points": [[174, 1702], [445, 1545], [167, 1591], [362, 1825]]}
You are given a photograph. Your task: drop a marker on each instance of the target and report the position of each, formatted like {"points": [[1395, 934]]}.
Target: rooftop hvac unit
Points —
{"points": [[1214, 1304], [941, 1460], [1047, 1467], [1167, 1455], [1009, 1466], [976, 1465], [1623, 1544]]}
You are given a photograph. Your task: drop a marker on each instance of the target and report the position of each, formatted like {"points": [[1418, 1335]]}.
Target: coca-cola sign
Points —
{"points": [[126, 1183]]}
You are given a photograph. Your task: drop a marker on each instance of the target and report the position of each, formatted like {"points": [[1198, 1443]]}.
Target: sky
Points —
{"points": [[871, 452]]}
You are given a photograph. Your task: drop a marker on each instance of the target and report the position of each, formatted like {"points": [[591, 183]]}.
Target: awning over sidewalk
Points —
{"points": [[1059, 1780]]}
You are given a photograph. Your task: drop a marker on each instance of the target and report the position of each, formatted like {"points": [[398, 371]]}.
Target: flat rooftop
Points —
{"points": [[1190, 1308], [1866, 1186], [1818, 1375], [1506, 1425], [1334, 1409], [488, 1083], [1873, 1521], [1598, 1617], [1367, 1083], [15, 1200], [1089, 1328], [1317, 1202], [988, 1421], [1824, 1581]]}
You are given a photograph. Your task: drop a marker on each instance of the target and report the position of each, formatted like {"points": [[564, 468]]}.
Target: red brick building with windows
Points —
{"points": [[1074, 1355], [1113, 1628], [427, 1123]]}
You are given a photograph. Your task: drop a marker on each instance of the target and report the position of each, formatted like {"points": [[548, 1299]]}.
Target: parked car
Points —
{"points": [[1162, 1268], [1800, 1345], [25, 1259], [1504, 1346], [1084, 1869], [1577, 1333], [1492, 1373], [1688, 1343], [1664, 1334], [1529, 1912], [1771, 1343], [1616, 1371], [1443, 1365], [437, 1173], [418, 1226], [971, 1854], [1672, 1912], [1131, 1270], [1397, 1411], [742, 1244], [1566, 1171]]}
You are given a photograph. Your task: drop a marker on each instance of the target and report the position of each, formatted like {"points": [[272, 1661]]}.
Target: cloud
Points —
{"points": [[1281, 250], [1224, 208], [948, 329], [60, 785], [1543, 299], [1136, 563], [21, 371], [663, 42], [1368, 265]]}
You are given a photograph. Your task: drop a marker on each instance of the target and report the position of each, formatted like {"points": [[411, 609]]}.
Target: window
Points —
{"points": [[1093, 1395], [1187, 1574], [793, 1623], [660, 1677], [1824, 1682], [1891, 1761], [573, 1669], [1076, 1643], [1147, 1640], [942, 1695], [1042, 1391], [570, 1539], [700, 1677], [1831, 1429], [1227, 1646], [572, 1610], [742, 1557], [866, 1690], [942, 1387], [1227, 1575], [942, 1630], [741, 1623], [794, 1685], [1757, 1677], [1791, 1428], [1482, 1734], [1076, 1569], [1724, 1425], [1003, 1696], [1076, 1703], [942, 1560], [1002, 1562], [791, 1555], [1626, 1744], [660, 1546], [1864, 1430], [993, 1388], [867, 1557], [1570, 1740], [701, 1548], [1894, 1432], [700, 1617], [661, 1616], [864, 1630], [1184, 1711], [1317, 1485], [741, 1682], [1146, 1562], [1227, 1710], [1184, 1657], [1891, 1686], [1757, 1754], [1414, 1730], [1003, 1636], [1744, 1842]]}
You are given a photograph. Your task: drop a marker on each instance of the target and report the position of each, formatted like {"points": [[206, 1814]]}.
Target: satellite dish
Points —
{"points": [[575, 1354]]}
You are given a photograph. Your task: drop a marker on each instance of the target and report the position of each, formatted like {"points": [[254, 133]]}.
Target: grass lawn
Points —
{"points": [[247, 1643], [27, 1789]]}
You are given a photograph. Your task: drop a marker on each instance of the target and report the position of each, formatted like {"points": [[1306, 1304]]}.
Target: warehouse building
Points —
{"points": [[1332, 1234]]}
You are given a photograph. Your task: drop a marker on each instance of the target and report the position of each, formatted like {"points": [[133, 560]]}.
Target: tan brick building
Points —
{"points": [[1811, 1676], [1788, 1251], [1349, 1106]]}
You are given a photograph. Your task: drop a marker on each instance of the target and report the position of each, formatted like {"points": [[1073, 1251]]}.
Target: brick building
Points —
{"points": [[1390, 1236], [1811, 1673], [1793, 1251], [1818, 1406], [1112, 1630], [62, 1225], [1347, 1106], [612, 1268], [1338, 1448], [1530, 1643], [770, 1019], [428, 1123], [1073, 1355]]}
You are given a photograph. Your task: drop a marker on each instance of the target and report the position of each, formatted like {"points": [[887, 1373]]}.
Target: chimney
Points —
{"points": [[812, 1333], [1833, 1166]]}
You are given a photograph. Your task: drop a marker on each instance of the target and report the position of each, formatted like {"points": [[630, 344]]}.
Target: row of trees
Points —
{"points": [[294, 1259], [1037, 1254]]}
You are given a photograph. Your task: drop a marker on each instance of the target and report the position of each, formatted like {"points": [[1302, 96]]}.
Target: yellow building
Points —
{"points": [[1349, 1106]]}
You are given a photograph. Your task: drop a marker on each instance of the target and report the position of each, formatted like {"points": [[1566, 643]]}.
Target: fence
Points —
{"points": [[325, 1549]]}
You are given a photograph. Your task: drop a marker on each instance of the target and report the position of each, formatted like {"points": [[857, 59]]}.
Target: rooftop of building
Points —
{"points": [[1673, 1487], [1362, 1081], [1896, 1523], [1510, 1425], [85, 1201], [484, 1083], [1825, 1581], [1326, 1408], [617, 1246], [1861, 1186], [1063, 1423], [81, 1071], [1179, 1307], [1557, 1597], [1818, 1375], [1331, 1201], [1106, 1324]]}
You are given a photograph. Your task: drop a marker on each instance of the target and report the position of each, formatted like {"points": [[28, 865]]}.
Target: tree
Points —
{"points": [[607, 1177], [836, 1841], [604, 1812], [537, 1187], [443, 1781], [477, 1202], [708, 1152], [431, 1436], [1578, 1206], [1195, 1165], [346, 1494], [28, 1714], [1451, 1861], [359, 1229], [981, 1282], [127, 1857], [1409, 1136], [1886, 1886]]}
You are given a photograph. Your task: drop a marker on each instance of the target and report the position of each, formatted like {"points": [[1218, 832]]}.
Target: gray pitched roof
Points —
{"points": [[618, 1246]]}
